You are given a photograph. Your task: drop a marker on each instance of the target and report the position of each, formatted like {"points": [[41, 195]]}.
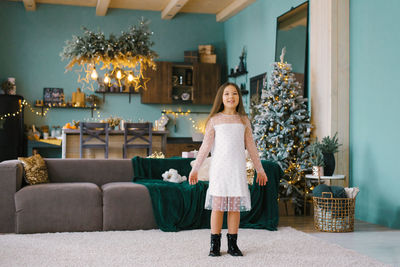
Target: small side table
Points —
{"points": [[330, 178]]}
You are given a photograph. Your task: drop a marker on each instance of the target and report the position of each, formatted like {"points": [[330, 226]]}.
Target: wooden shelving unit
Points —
{"points": [[182, 84], [66, 107], [237, 74], [116, 93], [171, 83]]}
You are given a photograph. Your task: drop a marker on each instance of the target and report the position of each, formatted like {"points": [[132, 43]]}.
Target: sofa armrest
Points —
{"points": [[10, 182]]}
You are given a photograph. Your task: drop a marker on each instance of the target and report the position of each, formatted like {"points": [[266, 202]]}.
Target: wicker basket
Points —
{"points": [[334, 214]]}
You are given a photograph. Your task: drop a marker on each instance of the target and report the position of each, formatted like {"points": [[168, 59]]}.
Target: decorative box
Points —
{"points": [[190, 154], [197, 137], [208, 58], [191, 56], [206, 49]]}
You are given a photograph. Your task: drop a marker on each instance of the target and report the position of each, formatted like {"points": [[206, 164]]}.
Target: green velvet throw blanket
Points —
{"points": [[181, 206]]}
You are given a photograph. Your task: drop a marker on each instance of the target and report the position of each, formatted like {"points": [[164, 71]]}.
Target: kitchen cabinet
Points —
{"points": [[181, 83]]}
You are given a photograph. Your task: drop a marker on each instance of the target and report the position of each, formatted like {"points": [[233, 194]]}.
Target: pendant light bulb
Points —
{"points": [[94, 74], [130, 77], [119, 75], [107, 79]]}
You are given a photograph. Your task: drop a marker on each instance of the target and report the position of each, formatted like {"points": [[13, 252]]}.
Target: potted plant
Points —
{"points": [[329, 146], [316, 159]]}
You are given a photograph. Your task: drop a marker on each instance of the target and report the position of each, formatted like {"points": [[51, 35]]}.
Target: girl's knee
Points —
{"points": [[234, 212]]}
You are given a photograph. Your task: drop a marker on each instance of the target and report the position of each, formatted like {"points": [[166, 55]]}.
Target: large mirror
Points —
{"points": [[292, 33]]}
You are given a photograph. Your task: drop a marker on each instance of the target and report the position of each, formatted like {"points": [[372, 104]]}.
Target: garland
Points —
{"points": [[128, 50]]}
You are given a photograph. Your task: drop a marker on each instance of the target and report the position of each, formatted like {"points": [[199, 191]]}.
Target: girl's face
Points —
{"points": [[230, 97]]}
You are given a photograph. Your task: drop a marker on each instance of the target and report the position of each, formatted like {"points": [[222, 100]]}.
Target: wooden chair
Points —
{"points": [[133, 131], [93, 130]]}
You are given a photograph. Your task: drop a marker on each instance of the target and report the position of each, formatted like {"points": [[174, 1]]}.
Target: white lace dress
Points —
{"points": [[227, 136]]}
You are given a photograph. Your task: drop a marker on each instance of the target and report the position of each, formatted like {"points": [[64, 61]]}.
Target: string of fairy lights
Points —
{"points": [[22, 104], [176, 114], [199, 127], [181, 113]]}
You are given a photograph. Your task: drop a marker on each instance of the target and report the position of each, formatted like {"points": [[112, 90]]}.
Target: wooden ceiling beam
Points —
{"points": [[173, 7], [30, 5], [102, 7], [232, 9]]}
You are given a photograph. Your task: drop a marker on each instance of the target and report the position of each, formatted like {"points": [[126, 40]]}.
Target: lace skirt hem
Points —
{"points": [[223, 203]]}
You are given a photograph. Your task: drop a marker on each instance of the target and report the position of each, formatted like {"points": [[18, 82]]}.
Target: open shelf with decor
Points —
{"points": [[182, 83], [239, 71], [92, 108], [237, 74], [130, 91]]}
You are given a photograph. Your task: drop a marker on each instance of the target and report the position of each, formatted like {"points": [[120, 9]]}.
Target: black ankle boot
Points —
{"points": [[215, 245], [232, 246]]}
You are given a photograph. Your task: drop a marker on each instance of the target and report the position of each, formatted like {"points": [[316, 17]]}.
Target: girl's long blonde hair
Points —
{"points": [[218, 105]]}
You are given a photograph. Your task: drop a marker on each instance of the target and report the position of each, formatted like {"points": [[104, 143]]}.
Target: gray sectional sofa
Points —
{"points": [[83, 195]]}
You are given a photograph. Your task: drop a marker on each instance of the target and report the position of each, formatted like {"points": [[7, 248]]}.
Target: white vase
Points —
{"points": [[318, 171]]}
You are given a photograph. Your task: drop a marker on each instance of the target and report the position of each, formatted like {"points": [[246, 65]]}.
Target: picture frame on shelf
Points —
{"points": [[53, 96]]}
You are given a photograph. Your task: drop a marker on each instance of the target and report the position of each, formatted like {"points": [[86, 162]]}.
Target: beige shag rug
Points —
{"points": [[285, 247]]}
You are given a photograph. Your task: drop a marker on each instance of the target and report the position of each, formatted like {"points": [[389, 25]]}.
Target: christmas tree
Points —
{"points": [[282, 130]]}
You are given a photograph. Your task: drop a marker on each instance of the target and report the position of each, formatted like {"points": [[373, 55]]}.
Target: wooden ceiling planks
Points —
{"points": [[224, 9]]}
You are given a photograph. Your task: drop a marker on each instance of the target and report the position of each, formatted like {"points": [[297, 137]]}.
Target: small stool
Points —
{"points": [[133, 131], [93, 130]]}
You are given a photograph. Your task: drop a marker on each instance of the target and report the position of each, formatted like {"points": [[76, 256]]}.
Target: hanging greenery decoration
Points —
{"points": [[130, 50]]}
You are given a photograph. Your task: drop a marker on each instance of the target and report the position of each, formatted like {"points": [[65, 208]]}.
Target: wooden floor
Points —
{"points": [[306, 224], [376, 241]]}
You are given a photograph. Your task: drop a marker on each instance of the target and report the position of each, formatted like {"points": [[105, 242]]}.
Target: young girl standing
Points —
{"points": [[228, 133]]}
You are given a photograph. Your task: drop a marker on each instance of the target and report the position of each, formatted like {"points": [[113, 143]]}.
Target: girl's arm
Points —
{"points": [[251, 148], [206, 146]]}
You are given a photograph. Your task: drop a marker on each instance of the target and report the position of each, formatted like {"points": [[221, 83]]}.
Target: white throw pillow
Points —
{"points": [[351, 192], [203, 173]]}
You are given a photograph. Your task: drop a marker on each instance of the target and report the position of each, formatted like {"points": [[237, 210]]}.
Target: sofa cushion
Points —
{"points": [[97, 171], [58, 208], [127, 206], [10, 182]]}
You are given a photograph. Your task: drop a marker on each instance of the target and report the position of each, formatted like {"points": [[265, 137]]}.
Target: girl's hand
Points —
{"points": [[262, 179], [193, 178]]}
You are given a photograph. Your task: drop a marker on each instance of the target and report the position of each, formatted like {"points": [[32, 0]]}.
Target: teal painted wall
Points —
{"points": [[255, 28], [31, 43], [374, 114]]}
